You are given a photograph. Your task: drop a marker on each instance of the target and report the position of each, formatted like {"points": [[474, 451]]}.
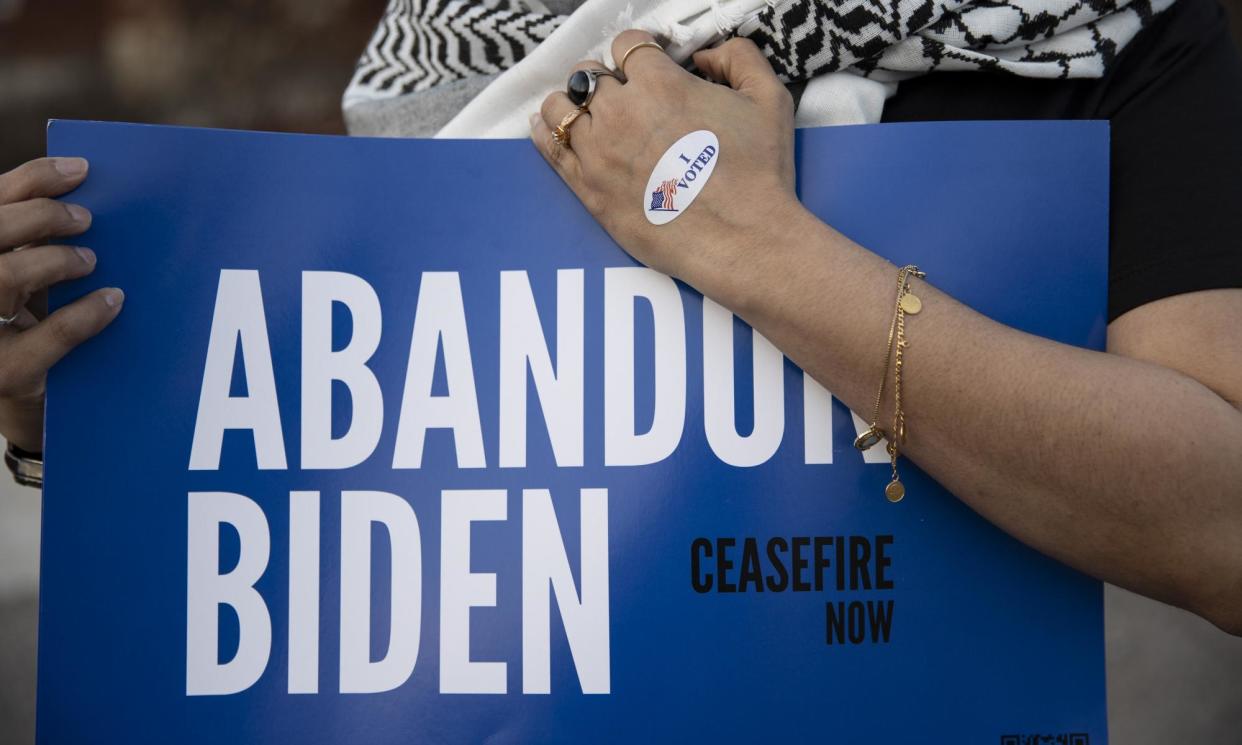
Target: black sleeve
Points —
{"points": [[1176, 202]]}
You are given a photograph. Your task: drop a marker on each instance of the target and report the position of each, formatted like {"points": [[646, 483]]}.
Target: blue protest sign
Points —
{"points": [[391, 443]]}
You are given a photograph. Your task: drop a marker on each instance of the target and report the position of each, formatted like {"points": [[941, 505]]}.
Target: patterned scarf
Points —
{"points": [[1032, 38], [422, 44]]}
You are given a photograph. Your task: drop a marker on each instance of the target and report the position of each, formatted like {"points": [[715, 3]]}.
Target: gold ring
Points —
{"points": [[630, 51], [561, 133]]}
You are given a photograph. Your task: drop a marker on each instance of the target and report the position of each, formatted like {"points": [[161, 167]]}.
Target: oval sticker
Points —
{"points": [[680, 175]]}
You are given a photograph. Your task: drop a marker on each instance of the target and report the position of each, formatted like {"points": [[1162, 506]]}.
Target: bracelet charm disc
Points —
{"points": [[895, 491], [911, 304]]}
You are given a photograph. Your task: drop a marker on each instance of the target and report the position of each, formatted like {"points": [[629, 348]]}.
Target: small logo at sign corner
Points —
{"points": [[662, 197], [1063, 738]]}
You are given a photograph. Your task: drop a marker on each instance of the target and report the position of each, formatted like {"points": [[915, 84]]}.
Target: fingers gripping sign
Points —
{"points": [[669, 162], [29, 342], [565, 116]]}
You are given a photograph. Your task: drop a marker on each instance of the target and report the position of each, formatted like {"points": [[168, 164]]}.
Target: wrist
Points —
{"points": [[21, 423], [742, 259]]}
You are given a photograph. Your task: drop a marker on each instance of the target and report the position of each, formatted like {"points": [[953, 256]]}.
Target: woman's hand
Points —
{"points": [[615, 146], [30, 262]]}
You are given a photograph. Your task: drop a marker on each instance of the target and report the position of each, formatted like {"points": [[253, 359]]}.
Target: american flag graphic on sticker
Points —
{"points": [[662, 197]]}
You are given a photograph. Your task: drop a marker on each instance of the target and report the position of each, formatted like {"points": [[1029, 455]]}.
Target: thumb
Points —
{"points": [[739, 63]]}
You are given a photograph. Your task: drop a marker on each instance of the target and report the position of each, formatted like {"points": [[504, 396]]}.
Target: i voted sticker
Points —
{"points": [[680, 175]]}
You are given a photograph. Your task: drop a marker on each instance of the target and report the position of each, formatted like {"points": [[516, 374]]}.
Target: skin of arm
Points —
{"points": [[1126, 465]]}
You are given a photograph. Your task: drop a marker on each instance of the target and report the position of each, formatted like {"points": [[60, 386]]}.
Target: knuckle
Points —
{"points": [[50, 213], [747, 44], [43, 170], [13, 182], [60, 263], [548, 108], [23, 180], [10, 185], [627, 39], [43, 210], [748, 49], [595, 203], [664, 80]]}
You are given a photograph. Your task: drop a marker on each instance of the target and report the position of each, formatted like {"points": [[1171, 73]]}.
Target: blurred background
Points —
{"points": [[281, 65], [277, 65]]}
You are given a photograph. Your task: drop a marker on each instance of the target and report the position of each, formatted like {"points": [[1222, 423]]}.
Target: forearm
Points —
{"points": [[1123, 469], [1126, 470]]}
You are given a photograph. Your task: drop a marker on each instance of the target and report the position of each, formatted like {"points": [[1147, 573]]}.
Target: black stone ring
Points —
{"points": [[581, 85]]}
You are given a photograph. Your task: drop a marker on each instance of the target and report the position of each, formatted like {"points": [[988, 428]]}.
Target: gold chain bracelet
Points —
{"points": [[907, 303]]}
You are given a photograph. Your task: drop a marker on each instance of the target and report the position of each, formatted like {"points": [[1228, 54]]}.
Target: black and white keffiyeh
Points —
{"points": [[420, 44], [852, 52], [1032, 38]]}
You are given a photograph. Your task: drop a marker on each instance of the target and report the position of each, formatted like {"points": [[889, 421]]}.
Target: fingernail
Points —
{"points": [[85, 254], [69, 167], [113, 297], [79, 214], [534, 118]]}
